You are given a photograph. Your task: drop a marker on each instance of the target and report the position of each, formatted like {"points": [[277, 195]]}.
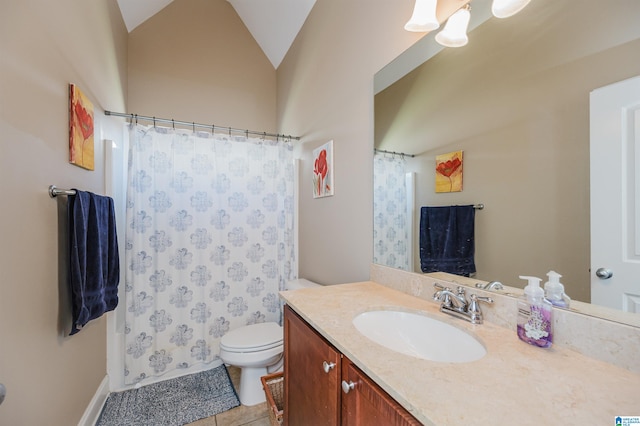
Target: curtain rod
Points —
{"points": [[393, 152], [211, 127]]}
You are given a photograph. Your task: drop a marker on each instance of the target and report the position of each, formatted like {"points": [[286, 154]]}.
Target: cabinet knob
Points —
{"points": [[328, 366], [346, 387]]}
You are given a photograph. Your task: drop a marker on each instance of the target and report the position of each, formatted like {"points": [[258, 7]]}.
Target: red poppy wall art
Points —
{"points": [[323, 170], [449, 172], [80, 129]]}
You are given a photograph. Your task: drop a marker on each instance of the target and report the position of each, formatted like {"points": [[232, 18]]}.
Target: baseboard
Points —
{"points": [[91, 414]]}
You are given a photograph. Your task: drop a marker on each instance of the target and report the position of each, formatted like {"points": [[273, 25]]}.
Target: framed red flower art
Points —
{"points": [[323, 170], [449, 172], [80, 129]]}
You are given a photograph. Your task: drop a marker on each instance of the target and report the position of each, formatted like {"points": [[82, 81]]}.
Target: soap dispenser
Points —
{"points": [[534, 315], [554, 291]]}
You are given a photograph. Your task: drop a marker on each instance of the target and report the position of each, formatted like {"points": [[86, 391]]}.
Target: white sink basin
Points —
{"points": [[419, 336]]}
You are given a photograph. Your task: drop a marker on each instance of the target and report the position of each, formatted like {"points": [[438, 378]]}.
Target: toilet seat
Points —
{"points": [[253, 338]]}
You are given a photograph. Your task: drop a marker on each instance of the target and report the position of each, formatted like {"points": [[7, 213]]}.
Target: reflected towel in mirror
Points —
{"points": [[447, 239]]}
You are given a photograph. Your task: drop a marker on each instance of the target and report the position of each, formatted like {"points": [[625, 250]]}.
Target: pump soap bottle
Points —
{"points": [[534, 315], [554, 291]]}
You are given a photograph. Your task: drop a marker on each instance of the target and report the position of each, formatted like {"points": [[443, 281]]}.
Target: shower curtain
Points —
{"points": [[209, 243], [391, 224]]}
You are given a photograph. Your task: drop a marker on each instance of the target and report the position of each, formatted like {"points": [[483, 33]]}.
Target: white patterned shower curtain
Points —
{"points": [[392, 225], [209, 242]]}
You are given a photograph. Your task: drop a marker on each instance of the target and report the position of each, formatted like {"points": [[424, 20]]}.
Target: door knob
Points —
{"points": [[604, 273], [346, 387], [328, 366]]}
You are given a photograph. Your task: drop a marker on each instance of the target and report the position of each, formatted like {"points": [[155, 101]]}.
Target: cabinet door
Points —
{"points": [[312, 396], [366, 403]]}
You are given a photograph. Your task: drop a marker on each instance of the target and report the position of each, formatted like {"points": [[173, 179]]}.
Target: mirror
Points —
{"points": [[515, 100]]}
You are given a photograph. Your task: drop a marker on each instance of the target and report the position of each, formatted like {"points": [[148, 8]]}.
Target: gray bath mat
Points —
{"points": [[173, 402]]}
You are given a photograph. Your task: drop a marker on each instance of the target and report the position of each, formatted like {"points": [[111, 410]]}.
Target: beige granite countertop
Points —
{"points": [[515, 383]]}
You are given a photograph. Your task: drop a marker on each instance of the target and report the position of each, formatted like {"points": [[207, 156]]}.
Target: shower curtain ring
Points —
{"points": [[154, 122], [194, 126], [173, 124]]}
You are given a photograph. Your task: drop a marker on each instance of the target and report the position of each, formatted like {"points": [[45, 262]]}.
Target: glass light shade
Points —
{"points": [[424, 17], [506, 8], [454, 33]]}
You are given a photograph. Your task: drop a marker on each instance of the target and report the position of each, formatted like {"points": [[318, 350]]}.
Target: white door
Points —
{"points": [[615, 195]]}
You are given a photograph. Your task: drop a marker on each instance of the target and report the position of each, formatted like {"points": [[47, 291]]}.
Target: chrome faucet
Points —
{"points": [[447, 297], [456, 304], [493, 285]]}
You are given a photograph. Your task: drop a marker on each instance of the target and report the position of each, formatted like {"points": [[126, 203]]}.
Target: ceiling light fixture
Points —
{"points": [[424, 17], [507, 8], [454, 33]]}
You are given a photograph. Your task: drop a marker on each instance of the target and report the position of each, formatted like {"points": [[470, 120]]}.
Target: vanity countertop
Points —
{"points": [[514, 383]]}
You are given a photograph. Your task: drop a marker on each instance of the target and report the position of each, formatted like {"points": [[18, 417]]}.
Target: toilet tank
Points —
{"points": [[301, 283]]}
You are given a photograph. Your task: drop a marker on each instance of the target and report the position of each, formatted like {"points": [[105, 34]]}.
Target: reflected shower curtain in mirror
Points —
{"points": [[209, 243], [391, 225]]}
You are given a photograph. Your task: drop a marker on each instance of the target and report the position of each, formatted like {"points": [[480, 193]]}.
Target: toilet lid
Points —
{"points": [[255, 336]]}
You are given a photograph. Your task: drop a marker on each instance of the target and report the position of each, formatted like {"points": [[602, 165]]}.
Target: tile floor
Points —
{"points": [[257, 415]]}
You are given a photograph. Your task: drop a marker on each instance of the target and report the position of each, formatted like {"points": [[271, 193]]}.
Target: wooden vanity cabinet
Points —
{"points": [[367, 403], [312, 396], [314, 375]]}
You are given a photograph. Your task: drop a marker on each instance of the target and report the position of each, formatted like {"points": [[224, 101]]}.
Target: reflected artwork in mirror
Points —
{"points": [[515, 99]]}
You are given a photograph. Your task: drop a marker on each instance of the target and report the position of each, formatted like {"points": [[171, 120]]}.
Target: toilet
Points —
{"points": [[257, 350]]}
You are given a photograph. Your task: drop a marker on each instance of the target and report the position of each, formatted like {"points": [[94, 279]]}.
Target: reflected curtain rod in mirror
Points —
{"points": [[401, 154]]}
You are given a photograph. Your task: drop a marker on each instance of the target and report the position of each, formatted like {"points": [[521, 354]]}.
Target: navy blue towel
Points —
{"points": [[94, 266], [447, 239]]}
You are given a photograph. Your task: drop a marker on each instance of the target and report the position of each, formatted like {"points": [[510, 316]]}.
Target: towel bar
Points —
{"points": [[54, 192]]}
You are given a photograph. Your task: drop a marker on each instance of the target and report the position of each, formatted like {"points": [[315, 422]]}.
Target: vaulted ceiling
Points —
{"points": [[274, 24]]}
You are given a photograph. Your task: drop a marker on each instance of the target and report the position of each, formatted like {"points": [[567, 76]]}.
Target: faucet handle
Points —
{"points": [[439, 286], [474, 307], [475, 298]]}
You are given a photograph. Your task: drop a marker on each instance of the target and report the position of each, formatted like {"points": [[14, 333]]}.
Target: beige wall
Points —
{"points": [[44, 46], [196, 61], [325, 92]]}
